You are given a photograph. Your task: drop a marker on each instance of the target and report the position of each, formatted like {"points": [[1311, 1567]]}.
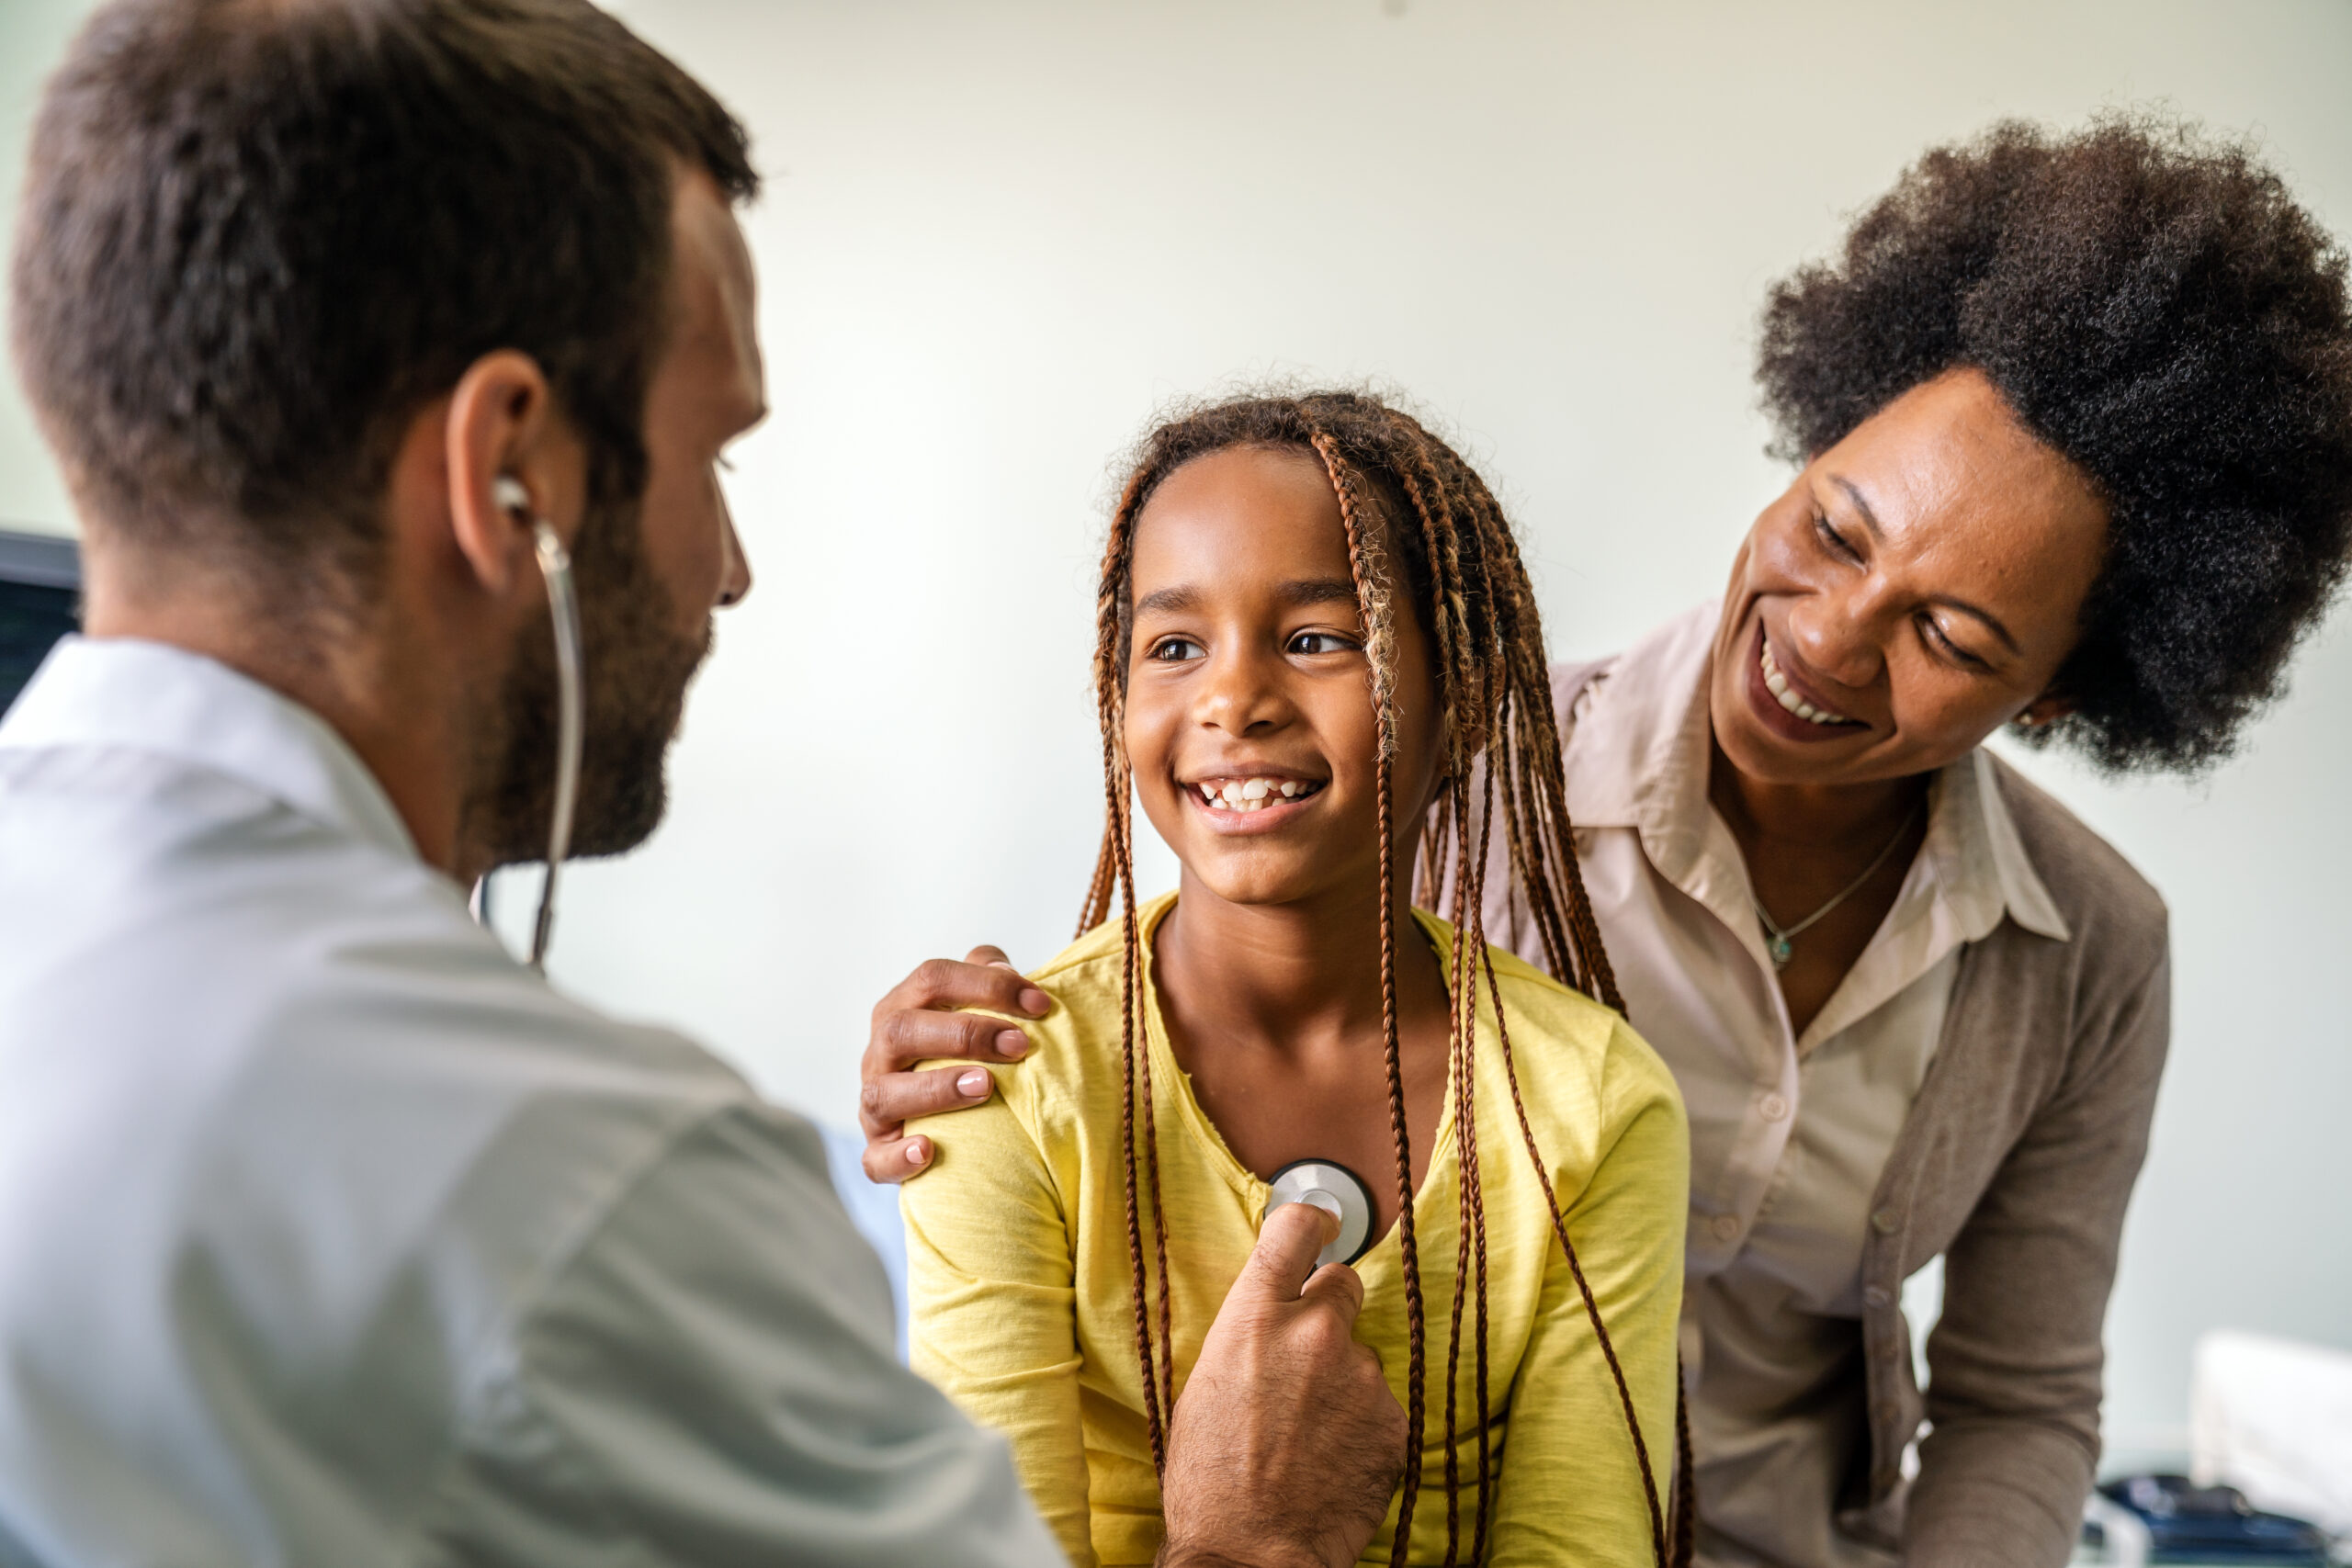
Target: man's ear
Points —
{"points": [[501, 424], [2045, 710]]}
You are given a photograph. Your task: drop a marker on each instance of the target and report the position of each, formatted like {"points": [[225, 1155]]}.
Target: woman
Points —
{"points": [[2075, 417]]}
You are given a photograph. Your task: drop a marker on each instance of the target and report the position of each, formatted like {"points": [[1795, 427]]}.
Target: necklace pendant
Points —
{"points": [[1782, 950]]}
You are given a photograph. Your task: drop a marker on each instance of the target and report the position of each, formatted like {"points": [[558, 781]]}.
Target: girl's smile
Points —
{"points": [[1252, 799], [1249, 720]]}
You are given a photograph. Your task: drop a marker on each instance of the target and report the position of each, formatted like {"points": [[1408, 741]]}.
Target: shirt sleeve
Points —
{"points": [[1570, 1490], [994, 1307], [709, 1379]]}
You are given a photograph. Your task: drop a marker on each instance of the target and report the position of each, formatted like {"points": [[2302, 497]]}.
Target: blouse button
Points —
{"points": [[1875, 1297], [1886, 1222], [1773, 1107], [1725, 1226]]}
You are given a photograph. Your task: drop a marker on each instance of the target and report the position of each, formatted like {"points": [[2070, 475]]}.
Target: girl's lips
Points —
{"points": [[1770, 713]]}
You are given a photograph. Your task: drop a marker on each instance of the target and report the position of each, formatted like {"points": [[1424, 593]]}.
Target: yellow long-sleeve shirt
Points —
{"points": [[1019, 1273]]}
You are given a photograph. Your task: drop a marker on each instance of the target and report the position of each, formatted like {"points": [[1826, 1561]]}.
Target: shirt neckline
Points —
{"points": [[130, 693], [1387, 1252]]}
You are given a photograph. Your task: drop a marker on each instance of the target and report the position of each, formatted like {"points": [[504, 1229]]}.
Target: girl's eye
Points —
{"points": [[1933, 634], [1322, 642], [1174, 649], [1831, 541]]}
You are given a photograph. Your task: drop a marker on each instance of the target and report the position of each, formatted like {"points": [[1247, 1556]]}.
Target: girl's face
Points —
{"points": [[1916, 588], [1249, 725]]}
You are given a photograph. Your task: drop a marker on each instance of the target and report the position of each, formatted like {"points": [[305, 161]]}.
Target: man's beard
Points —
{"points": [[635, 669]]}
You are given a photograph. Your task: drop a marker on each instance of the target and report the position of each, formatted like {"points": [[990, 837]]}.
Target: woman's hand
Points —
{"points": [[919, 1022]]}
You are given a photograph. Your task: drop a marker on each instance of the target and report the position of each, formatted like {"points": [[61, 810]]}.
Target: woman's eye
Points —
{"points": [[1175, 650], [1831, 539], [1321, 642], [1934, 633]]}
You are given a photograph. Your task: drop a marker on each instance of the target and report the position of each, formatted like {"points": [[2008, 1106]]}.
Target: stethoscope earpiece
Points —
{"points": [[1338, 1191], [563, 607]]}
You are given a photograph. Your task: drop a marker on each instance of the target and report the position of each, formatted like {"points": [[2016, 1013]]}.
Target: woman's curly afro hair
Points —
{"points": [[2153, 305]]}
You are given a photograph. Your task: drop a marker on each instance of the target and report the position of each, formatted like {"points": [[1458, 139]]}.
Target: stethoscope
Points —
{"points": [[1324, 1183], [1327, 1184], [564, 607], [1340, 1192]]}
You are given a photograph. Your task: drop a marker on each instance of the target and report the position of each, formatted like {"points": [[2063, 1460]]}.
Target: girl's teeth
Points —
{"points": [[1251, 794]]}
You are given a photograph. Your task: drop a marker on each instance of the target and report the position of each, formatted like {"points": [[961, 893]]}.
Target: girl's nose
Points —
{"points": [[1241, 696]]}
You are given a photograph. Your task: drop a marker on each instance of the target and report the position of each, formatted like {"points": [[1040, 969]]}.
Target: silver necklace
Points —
{"points": [[1779, 940]]}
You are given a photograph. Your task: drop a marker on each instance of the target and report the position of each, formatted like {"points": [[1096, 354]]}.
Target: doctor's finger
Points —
{"points": [[1339, 1287], [1288, 1239]]}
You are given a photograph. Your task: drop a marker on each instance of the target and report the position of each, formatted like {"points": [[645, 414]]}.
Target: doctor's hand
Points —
{"points": [[919, 1020], [1288, 1444]]}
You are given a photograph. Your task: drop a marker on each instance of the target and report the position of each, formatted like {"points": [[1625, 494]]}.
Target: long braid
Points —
{"points": [[1134, 966], [1115, 870], [1465, 1156], [1454, 546], [1575, 1271], [1472, 900], [1374, 604], [1462, 693]]}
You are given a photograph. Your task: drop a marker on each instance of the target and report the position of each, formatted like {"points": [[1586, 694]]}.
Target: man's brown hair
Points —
{"points": [[257, 235]]}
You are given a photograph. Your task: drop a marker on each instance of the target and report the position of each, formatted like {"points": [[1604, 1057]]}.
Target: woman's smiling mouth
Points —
{"points": [[1785, 695], [1785, 708]]}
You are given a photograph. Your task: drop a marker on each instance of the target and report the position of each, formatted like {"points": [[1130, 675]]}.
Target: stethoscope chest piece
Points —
{"points": [[1335, 1189]]}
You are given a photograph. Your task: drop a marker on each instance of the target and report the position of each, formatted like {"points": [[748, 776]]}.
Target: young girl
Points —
{"points": [[1313, 621]]}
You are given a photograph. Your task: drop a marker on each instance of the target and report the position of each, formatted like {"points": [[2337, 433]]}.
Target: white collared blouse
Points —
{"points": [[1789, 1131]]}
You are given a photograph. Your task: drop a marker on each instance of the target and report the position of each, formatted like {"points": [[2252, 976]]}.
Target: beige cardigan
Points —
{"points": [[2015, 1167]]}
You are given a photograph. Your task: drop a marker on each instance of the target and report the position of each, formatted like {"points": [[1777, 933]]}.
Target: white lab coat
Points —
{"points": [[331, 1235]]}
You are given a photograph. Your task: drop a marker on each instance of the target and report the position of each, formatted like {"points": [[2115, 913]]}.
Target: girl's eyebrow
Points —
{"points": [[1299, 593], [1170, 600], [1306, 592]]}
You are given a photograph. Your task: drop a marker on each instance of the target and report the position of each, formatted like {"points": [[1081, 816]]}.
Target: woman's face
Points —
{"points": [[1916, 589], [1249, 716]]}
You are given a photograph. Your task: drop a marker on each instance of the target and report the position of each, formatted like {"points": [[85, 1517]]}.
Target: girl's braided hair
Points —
{"points": [[1413, 509]]}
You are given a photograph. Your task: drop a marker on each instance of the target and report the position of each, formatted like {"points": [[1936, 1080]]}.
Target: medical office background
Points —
{"points": [[998, 235]]}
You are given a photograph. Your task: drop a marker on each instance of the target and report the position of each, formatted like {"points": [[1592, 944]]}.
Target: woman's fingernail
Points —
{"points": [[1012, 1042], [917, 1151], [974, 1084], [1036, 1003]]}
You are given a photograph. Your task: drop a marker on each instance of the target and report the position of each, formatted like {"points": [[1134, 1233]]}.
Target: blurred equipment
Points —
{"points": [[40, 590], [2186, 1523], [2273, 1418]]}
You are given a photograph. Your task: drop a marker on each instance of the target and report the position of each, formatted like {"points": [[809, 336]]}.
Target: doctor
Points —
{"points": [[328, 1233]]}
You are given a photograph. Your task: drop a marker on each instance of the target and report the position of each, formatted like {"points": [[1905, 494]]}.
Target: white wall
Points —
{"points": [[998, 234]]}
